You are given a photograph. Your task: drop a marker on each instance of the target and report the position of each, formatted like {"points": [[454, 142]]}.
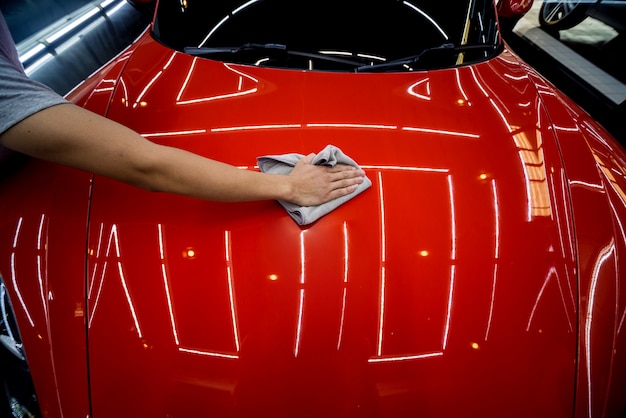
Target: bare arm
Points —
{"points": [[70, 135]]}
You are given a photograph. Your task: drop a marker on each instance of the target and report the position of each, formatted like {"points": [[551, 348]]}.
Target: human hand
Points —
{"points": [[314, 184]]}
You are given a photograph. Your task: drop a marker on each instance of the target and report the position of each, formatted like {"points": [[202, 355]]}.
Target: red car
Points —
{"points": [[479, 276]]}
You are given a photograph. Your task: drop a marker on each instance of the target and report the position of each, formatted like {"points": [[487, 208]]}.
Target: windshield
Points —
{"points": [[331, 35]]}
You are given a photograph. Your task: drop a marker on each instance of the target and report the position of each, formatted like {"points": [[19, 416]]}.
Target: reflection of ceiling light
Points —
{"points": [[44, 45], [427, 17]]}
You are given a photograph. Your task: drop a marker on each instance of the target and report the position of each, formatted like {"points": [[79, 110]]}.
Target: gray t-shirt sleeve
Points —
{"points": [[20, 96]]}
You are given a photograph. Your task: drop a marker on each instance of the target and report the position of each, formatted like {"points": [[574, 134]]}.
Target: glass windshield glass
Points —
{"points": [[332, 35]]}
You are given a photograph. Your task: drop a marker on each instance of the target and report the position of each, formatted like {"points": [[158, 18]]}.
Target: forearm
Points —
{"points": [[209, 179], [73, 136], [98, 145]]}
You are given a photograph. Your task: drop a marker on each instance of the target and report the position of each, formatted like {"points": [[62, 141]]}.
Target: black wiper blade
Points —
{"points": [[410, 60], [233, 50], [271, 47]]}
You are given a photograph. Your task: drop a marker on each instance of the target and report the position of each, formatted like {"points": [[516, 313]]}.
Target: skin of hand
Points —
{"points": [[70, 135]]}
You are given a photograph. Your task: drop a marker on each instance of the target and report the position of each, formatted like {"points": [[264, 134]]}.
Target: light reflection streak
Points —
{"points": [[616, 217], [612, 181], [113, 241], [493, 298], [225, 19], [103, 90], [18, 228], [145, 89], [592, 131], [243, 6], [186, 81], [383, 257], [346, 264], [441, 132], [587, 185], [603, 256], [16, 235], [514, 78], [218, 97], [478, 83], [170, 307], [453, 262], [405, 168], [152, 81], [215, 28], [166, 284], [546, 280], [558, 218], [208, 353], [301, 298], [427, 17], [499, 112], [425, 83], [239, 93], [565, 128], [496, 252], [452, 219], [568, 229], [95, 267], [257, 127], [175, 133], [551, 272], [391, 359], [129, 299], [350, 125], [40, 273], [299, 329], [460, 85], [621, 322], [338, 125], [231, 290], [351, 54], [449, 309], [124, 92], [569, 321]]}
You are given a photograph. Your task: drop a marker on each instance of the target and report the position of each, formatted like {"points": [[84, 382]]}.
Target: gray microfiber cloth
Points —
{"points": [[329, 156]]}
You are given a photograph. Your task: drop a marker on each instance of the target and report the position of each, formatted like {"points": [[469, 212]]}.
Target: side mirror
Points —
{"points": [[513, 8], [510, 12]]}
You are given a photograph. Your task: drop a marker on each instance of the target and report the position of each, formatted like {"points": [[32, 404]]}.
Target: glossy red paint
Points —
{"points": [[43, 225], [479, 276]]}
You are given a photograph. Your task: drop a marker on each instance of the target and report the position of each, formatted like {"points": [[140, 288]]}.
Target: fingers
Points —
{"points": [[340, 168], [316, 184], [346, 176], [342, 191]]}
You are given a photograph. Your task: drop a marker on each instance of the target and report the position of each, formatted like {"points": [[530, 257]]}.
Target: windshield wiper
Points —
{"points": [[280, 48], [202, 50], [413, 59]]}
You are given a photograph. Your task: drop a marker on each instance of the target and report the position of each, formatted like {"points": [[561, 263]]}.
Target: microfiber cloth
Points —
{"points": [[329, 156]]}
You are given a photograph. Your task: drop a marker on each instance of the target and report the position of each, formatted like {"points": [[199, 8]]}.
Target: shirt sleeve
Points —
{"points": [[21, 97]]}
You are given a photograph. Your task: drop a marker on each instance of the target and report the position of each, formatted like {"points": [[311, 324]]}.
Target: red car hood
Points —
{"points": [[447, 288]]}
